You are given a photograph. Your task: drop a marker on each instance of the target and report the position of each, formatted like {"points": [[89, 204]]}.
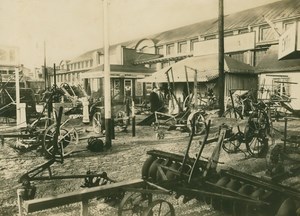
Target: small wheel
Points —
{"points": [[66, 143], [256, 134], [160, 208], [232, 144], [134, 203], [257, 146], [97, 122], [256, 141], [199, 122]]}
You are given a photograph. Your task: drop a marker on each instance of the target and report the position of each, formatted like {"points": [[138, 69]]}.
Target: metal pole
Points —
{"points": [[107, 93], [221, 79]]}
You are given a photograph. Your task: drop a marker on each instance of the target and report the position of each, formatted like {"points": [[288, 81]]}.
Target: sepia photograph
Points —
{"points": [[149, 107]]}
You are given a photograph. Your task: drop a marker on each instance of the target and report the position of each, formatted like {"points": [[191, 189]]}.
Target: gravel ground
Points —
{"points": [[122, 162]]}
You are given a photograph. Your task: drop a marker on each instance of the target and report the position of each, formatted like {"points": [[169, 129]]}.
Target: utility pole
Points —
{"points": [[221, 79], [45, 66], [107, 91]]}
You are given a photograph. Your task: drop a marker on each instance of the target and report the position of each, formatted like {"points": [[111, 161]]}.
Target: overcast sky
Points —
{"points": [[71, 27]]}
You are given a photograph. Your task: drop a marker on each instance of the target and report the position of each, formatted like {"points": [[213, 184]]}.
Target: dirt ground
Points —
{"points": [[122, 162]]}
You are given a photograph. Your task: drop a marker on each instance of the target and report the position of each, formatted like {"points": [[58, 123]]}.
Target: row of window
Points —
{"points": [[68, 77], [81, 65], [266, 33], [7, 71], [182, 47]]}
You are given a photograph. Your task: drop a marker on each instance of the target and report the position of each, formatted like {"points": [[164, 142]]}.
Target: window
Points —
{"points": [[193, 41], [170, 49], [226, 34], [86, 64], [210, 37], [243, 31], [91, 63], [160, 50], [182, 47], [281, 87], [266, 34], [127, 87], [75, 66]]}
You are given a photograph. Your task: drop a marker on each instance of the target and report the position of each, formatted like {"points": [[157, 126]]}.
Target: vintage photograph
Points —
{"points": [[150, 107]]}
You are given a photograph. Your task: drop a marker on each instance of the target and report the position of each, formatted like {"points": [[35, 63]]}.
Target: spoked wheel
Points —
{"points": [[257, 146], [66, 143], [97, 122], [199, 122], [232, 113], [256, 134], [134, 203], [232, 144], [160, 208]]}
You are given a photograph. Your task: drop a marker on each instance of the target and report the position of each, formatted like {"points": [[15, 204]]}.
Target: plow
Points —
{"points": [[166, 174]]}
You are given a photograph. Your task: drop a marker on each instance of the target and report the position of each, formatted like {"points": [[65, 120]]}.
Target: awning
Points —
{"points": [[206, 67], [126, 71]]}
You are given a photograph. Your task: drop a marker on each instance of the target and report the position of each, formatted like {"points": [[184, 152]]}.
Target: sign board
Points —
{"points": [[9, 56], [231, 44], [288, 42]]}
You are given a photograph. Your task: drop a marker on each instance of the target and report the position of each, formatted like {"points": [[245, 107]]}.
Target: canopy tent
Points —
{"points": [[206, 67]]}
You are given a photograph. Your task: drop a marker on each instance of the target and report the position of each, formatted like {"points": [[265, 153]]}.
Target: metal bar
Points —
{"points": [[200, 151], [78, 196], [285, 133], [190, 191]]}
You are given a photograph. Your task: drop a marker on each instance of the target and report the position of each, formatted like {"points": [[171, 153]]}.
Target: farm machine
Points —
{"points": [[188, 176]]}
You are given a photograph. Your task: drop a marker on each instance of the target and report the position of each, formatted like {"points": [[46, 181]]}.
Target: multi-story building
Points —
{"points": [[248, 36]]}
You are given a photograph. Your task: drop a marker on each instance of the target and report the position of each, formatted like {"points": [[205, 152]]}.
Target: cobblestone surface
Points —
{"points": [[122, 162]]}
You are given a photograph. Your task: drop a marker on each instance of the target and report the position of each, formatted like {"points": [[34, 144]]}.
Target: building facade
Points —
{"points": [[248, 35]]}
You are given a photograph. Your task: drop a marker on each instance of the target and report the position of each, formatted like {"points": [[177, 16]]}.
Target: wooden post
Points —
{"points": [[54, 77], [84, 208], [107, 91], [20, 193], [221, 79], [133, 118], [195, 91]]}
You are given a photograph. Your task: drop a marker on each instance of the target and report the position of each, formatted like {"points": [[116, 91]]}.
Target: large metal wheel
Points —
{"points": [[160, 208], [66, 143], [256, 134], [199, 122], [134, 203], [97, 122]]}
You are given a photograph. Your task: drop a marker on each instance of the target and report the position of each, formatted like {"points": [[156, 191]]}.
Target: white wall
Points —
{"points": [[266, 81]]}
